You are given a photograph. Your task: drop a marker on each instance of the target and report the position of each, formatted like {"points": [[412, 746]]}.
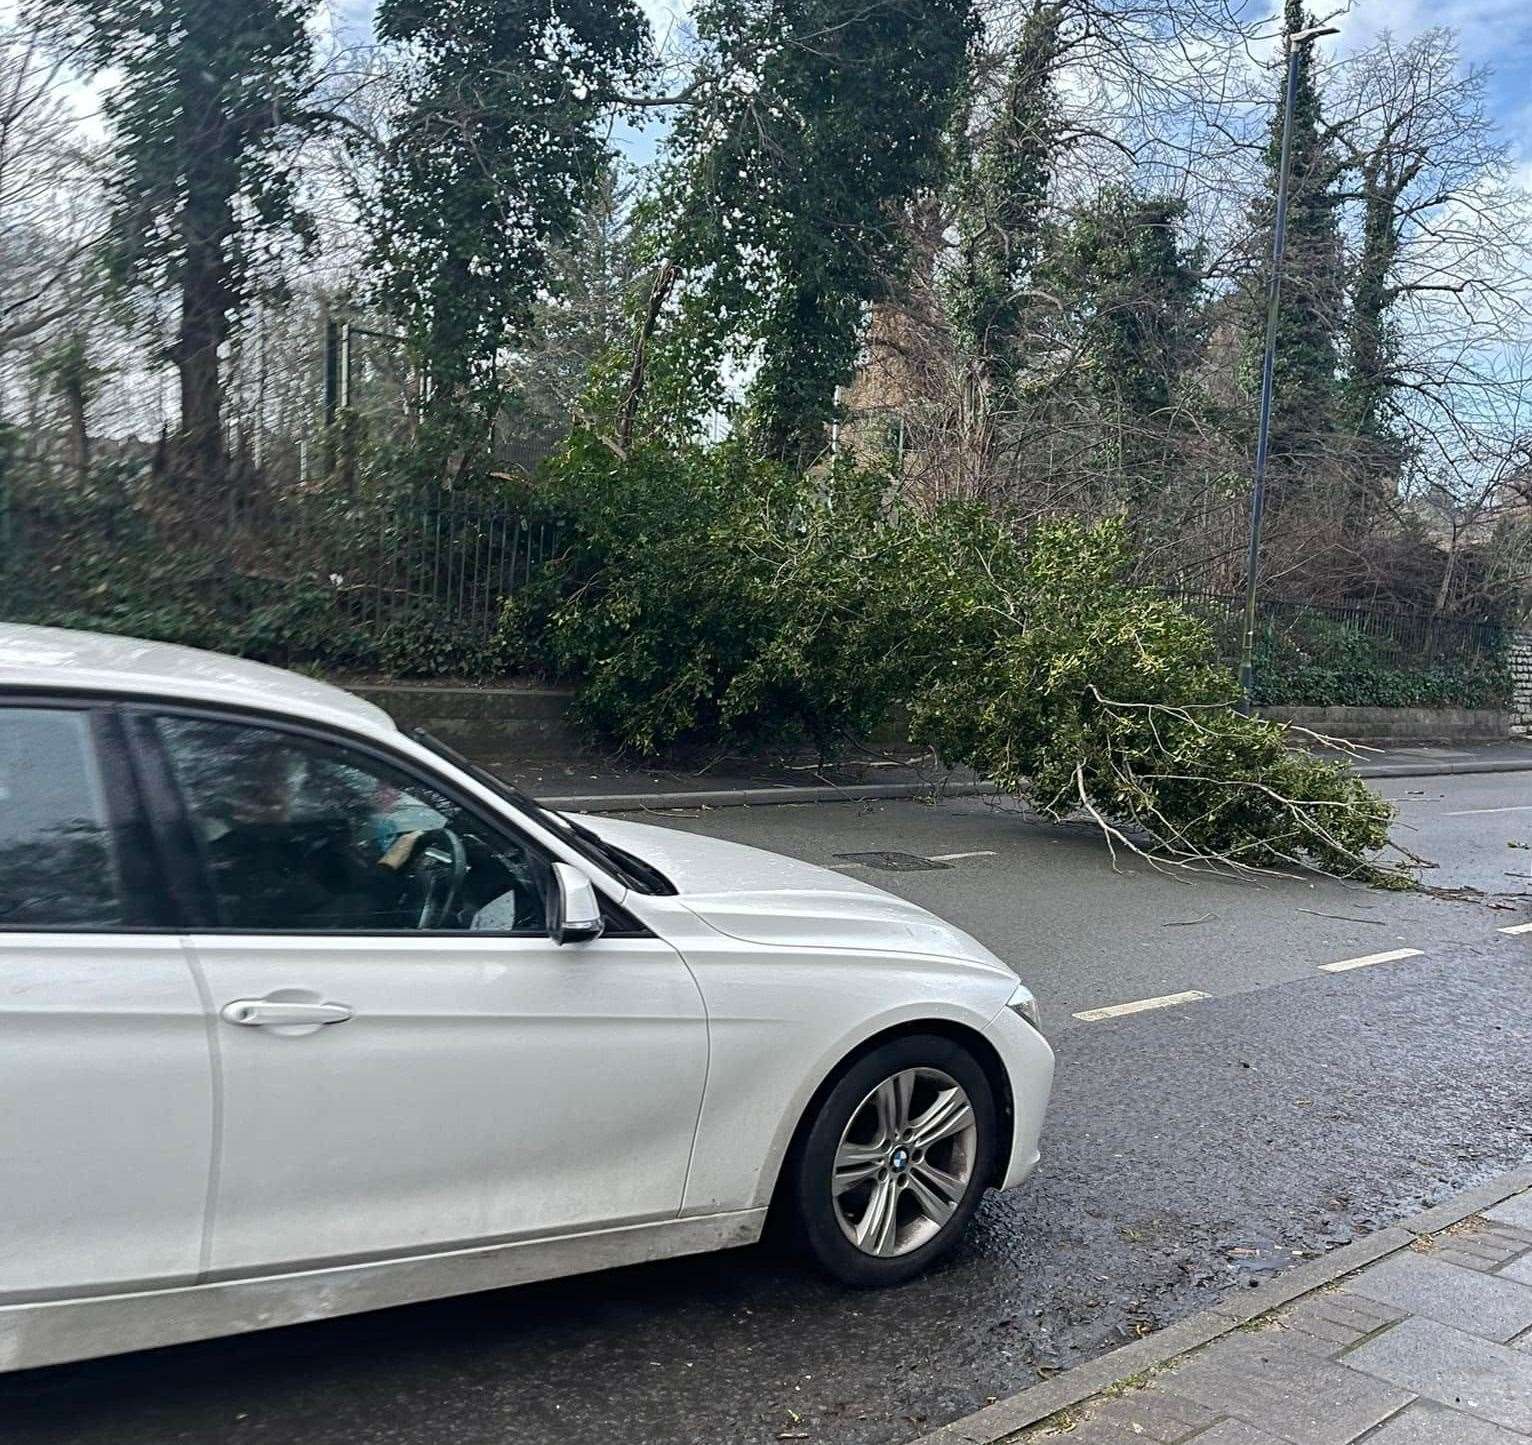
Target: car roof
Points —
{"points": [[63, 660]]}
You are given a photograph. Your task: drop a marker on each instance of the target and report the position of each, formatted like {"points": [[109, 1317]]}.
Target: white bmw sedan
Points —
{"points": [[300, 1016]]}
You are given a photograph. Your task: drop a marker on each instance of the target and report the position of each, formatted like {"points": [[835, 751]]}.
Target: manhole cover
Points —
{"points": [[893, 862]]}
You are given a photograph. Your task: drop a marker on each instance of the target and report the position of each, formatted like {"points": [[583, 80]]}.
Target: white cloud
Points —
{"points": [[1493, 33], [1499, 31], [665, 16]]}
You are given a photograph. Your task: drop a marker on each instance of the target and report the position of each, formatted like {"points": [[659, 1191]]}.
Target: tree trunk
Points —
{"points": [[198, 461], [1449, 570], [197, 450], [79, 434]]}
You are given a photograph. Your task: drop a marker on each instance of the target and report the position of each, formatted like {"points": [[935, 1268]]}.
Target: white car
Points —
{"points": [[300, 1016]]}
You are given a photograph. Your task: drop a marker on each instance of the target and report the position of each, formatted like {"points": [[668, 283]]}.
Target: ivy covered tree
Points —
{"points": [[1307, 396], [819, 125], [1002, 198], [1132, 293], [68, 372], [491, 160], [207, 110]]}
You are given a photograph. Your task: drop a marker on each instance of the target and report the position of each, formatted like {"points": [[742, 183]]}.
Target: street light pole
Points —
{"points": [[1268, 361]]}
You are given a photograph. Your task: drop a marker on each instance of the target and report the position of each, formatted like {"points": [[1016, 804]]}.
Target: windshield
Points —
{"points": [[632, 870]]}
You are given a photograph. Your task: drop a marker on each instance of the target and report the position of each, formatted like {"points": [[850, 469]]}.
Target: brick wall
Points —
{"points": [[1521, 683]]}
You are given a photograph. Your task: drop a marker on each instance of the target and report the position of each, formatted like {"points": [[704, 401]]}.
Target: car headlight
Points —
{"points": [[1024, 1005]]}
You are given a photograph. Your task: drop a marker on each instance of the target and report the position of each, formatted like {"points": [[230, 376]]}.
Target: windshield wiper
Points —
{"points": [[630, 869], [628, 866]]}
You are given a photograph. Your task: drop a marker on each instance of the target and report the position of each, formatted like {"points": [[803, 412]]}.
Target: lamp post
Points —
{"points": [[1295, 40]]}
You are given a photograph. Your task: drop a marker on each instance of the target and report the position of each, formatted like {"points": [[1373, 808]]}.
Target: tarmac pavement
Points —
{"points": [[1086, 935], [1322, 1060]]}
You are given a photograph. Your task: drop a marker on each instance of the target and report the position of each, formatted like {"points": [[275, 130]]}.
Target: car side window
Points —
{"points": [[300, 834], [58, 857]]}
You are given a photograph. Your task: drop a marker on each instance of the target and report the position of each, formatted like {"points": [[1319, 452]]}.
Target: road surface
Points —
{"points": [[1190, 1147]]}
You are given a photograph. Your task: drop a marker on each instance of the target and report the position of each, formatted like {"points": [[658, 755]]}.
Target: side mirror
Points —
{"points": [[574, 911]]}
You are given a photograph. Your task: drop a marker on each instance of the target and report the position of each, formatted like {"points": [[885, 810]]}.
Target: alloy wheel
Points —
{"points": [[904, 1162]]}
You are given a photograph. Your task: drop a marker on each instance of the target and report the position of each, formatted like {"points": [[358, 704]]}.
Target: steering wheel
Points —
{"points": [[434, 875]]}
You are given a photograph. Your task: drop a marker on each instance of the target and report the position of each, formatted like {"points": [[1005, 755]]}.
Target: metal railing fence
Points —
{"points": [[372, 563], [1393, 636]]}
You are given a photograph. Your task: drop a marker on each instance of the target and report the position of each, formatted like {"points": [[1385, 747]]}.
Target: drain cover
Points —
{"points": [[893, 862]]}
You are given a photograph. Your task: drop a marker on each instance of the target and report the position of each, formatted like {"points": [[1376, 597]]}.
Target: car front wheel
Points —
{"points": [[896, 1160]]}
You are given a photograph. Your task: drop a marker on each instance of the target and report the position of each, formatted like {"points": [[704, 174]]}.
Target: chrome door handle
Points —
{"points": [[266, 1013]]}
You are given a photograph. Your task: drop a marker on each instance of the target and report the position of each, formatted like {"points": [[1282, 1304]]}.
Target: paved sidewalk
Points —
{"points": [[1405, 760], [1431, 1344], [598, 785]]}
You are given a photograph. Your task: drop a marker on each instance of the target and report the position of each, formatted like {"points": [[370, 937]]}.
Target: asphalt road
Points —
{"points": [[1189, 1148], [1478, 828]]}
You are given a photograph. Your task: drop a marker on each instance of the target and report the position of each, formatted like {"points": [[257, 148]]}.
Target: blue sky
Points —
{"points": [[1494, 33]]}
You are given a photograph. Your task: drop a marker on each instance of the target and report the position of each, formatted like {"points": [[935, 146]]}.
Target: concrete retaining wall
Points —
{"points": [[532, 721], [495, 724], [1398, 724]]}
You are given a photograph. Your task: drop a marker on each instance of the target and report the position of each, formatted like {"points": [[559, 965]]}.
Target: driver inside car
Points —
{"points": [[297, 837], [273, 867]]}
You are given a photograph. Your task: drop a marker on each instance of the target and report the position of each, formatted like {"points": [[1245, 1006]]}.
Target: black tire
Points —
{"points": [[812, 1169]]}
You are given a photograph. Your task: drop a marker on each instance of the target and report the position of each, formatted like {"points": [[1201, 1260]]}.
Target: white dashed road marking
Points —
{"points": [[1117, 1010], [1370, 958], [1518, 928], [1469, 812]]}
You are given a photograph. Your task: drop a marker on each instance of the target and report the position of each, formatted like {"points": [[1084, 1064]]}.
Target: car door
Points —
{"points": [[403, 1071], [105, 1075]]}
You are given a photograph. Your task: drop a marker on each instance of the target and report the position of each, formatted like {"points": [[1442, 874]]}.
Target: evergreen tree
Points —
{"points": [[824, 123], [206, 114], [487, 173], [1132, 293], [1002, 198], [1307, 403]]}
